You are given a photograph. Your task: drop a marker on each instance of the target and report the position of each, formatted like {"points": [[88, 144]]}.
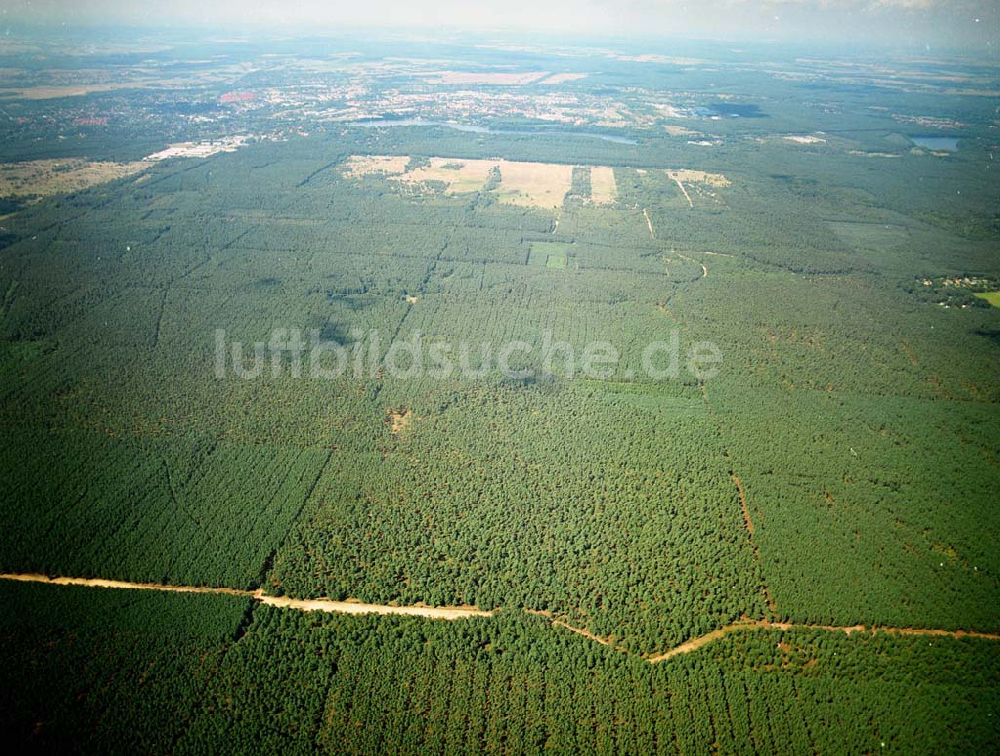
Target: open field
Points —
{"points": [[542, 185], [525, 184], [41, 178], [550, 254], [602, 185], [357, 166], [458, 176]]}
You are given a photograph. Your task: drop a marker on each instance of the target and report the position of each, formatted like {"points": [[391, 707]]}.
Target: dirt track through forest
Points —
{"points": [[685, 192], [302, 605], [462, 612], [703, 640]]}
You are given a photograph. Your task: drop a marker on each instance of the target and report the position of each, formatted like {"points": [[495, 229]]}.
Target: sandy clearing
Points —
{"points": [[459, 175], [302, 605], [120, 584], [805, 139], [681, 175], [542, 185], [699, 177], [357, 607], [42, 178], [357, 166], [526, 184], [399, 420], [603, 189], [198, 149]]}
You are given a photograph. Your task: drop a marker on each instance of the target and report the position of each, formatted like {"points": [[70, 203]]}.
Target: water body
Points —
{"points": [[946, 144], [474, 129], [733, 110]]}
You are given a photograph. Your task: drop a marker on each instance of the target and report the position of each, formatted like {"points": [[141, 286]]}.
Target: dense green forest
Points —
{"points": [[610, 502], [116, 671]]}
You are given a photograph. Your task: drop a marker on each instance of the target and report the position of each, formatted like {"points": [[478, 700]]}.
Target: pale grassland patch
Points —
{"points": [[541, 185], [679, 130], [41, 178], [460, 175], [603, 189]]}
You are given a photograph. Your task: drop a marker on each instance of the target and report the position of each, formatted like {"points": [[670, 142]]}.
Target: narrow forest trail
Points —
{"points": [[649, 223], [302, 605], [578, 630], [703, 640], [684, 191], [463, 612], [704, 268]]}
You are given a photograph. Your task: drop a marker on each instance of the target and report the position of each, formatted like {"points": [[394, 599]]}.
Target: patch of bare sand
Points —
{"points": [[303, 605], [399, 420], [201, 149], [357, 607], [804, 139], [698, 177], [119, 584]]}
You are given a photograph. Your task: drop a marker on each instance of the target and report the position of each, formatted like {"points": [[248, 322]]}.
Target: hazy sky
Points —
{"points": [[969, 23]]}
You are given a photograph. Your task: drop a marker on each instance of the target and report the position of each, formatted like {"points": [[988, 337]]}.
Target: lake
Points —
{"points": [[474, 129]]}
